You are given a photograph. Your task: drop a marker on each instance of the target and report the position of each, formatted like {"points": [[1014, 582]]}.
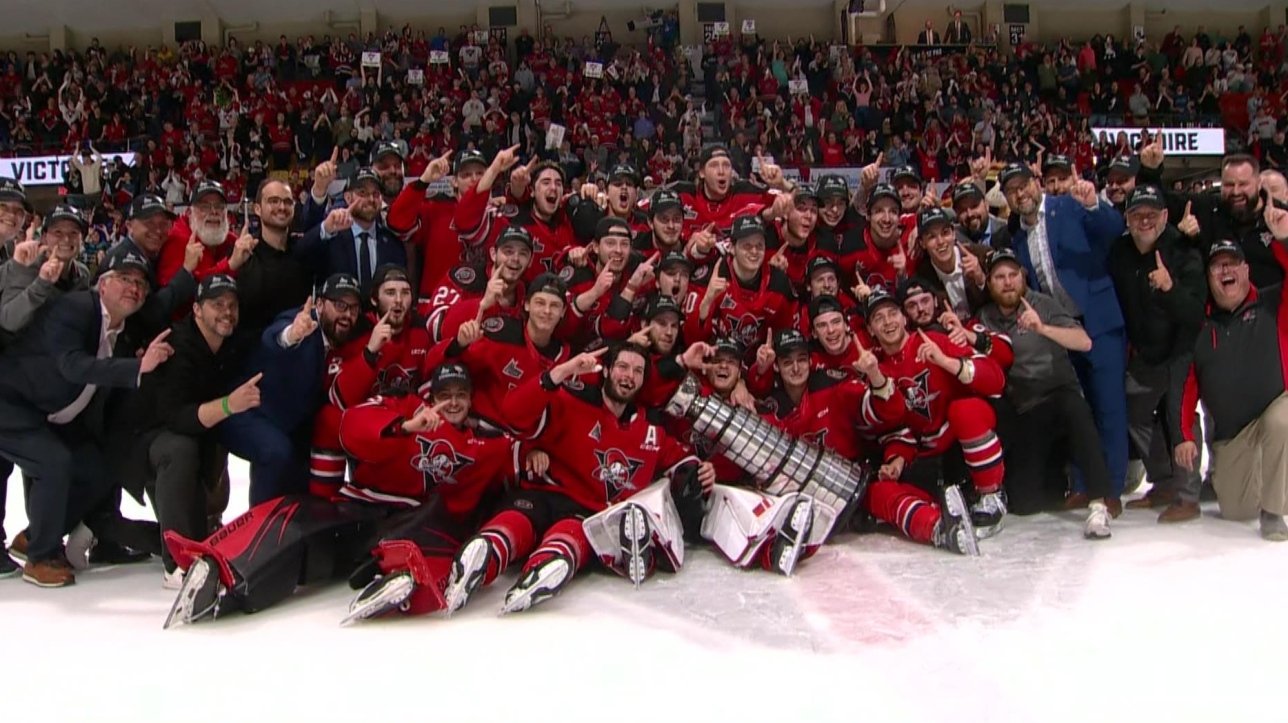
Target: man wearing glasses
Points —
{"points": [[205, 223], [273, 279], [354, 240]]}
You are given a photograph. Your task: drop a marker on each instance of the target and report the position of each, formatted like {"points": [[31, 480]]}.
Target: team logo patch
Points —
{"points": [[917, 394], [616, 471], [465, 275], [493, 324], [509, 210], [745, 328], [512, 370], [566, 273], [439, 463], [836, 373]]}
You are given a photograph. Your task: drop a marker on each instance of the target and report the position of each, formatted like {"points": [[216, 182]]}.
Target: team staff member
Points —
{"points": [[273, 279]]}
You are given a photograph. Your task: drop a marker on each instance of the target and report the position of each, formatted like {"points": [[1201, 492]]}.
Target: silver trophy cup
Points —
{"points": [[780, 463]]}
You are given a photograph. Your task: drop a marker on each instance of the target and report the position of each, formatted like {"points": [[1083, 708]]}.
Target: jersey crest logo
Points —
{"points": [[439, 463], [745, 328], [616, 471], [566, 273], [493, 324], [597, 432], [465, 275], [512, 370], [917, 394]]}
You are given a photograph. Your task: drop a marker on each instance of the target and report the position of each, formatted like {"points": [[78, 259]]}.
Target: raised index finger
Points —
{"points": [[162, 336], [1188, 205], [254, 380]]}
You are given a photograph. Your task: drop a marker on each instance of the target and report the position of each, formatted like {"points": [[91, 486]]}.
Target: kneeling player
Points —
{"points": [[405, 453], [602, 450]]}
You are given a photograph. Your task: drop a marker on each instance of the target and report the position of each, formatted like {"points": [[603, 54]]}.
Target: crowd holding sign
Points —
{"points": [[370, 59]]}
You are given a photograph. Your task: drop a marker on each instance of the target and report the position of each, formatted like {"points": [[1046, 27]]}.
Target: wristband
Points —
{"points": [[223, 404]]}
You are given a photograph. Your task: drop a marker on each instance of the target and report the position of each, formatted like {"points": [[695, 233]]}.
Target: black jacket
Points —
{"points": [[1160, 326], [169, 397], [271, 282]]}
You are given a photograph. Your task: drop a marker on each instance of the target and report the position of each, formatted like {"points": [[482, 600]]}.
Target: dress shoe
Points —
{"points": [[1115, 506], [1179, 511], [1155, 498], [1076, 501], [48, 573]]}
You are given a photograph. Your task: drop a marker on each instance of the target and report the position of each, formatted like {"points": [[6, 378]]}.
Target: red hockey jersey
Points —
{"points": [[500, 362]]}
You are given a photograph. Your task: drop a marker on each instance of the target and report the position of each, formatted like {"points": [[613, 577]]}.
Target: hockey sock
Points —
{"points": [[905, 506], [972, 422], [565, 537], [510, 535]]}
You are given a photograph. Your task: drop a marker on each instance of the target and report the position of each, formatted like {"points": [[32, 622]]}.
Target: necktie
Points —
{"points": [[364, 258]]}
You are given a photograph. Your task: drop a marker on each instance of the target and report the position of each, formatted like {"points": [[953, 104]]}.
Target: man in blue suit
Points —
{"points": [[1063, 243], [353, 240], [296, 354]]}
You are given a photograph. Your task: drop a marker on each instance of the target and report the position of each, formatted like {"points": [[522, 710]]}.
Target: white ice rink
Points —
{"points": [[1184, 623]]}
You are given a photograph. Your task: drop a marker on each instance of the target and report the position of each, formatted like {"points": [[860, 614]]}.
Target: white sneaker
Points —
{"points": [[1097, 525], [79, 543], [172, 580]]}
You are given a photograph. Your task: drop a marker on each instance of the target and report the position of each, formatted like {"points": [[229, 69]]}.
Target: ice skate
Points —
{"points": [[467, 573], [538, 585], [790, 539], [199, 596], [636, 539], [383, 596], [954, 530], [1097, 525], [987, 514]]}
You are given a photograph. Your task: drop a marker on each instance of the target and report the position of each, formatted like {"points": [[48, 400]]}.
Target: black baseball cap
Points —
{"points": [[788, 340], [712, 150], [1012, 171], [149, 205], [823, 304], [832, 186], [124, 258], [662, 304], [67, 212], [337, 286], [1225, 246], [448, 374], [206, 188], [905, 173], [875, 299], [516, 234], [880, 191], [1002, 256], [468, 157], [387, 272], [1149, 196], [548, 283], [664, 200], [746, 227], [674, 258], [364, 175], [820, 262], [1127, 165], [909, 288], [214, 286], [805, 191], [966, 190], [387, 148], [1056, 161], [727, 345], [933, 216], [12, 190], [612, 226], [624, 171]]}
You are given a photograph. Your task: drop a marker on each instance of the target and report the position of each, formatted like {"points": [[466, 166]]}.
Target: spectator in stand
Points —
{"points": [[957, 32], [929, 36]]}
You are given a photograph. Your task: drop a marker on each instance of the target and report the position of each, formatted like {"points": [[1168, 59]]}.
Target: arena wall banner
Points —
{"points": [[1176, 141], [47, 170]]}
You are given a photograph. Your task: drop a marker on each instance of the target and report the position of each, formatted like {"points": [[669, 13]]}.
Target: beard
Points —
{"points": [[612, 392], [212, 237]]}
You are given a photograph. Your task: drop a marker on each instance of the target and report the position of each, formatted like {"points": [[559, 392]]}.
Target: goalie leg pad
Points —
{"points": [[665, 537]]}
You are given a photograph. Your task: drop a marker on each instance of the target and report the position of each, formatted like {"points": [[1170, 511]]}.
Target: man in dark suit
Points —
{"points": [[353, 240], [1063, 243], [49, 379], [929, 36], [958, 31]]}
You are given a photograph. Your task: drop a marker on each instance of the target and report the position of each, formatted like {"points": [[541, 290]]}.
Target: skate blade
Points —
{"points": [[538, 592], [956, 506], [801, 524], [181, 612], [983, 533], [389, 595]]}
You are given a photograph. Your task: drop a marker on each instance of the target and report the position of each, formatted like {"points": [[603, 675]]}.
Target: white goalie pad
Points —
{"points": [[603, 530], [741, 521]]}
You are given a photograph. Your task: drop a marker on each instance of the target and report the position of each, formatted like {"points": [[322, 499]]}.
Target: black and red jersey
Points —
{"points": [[746, 312], [744, 197], [833, 409], [458, 298], [504, 359], [861, 259], [394, 467], [399, 368], [596, 457], [427, 220]]}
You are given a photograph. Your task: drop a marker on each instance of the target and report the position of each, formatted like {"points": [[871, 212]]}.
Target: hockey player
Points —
{"points": [[881, 257], [478, 292], [944, 386], [602, 450], [656, 276], [717, 198], [620, 201], [740, 297], [601, 273], [503, 353], [665, 231], [421, 475]]}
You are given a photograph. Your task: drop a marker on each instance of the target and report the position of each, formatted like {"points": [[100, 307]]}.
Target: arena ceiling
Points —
{"points": [[86, 16]]}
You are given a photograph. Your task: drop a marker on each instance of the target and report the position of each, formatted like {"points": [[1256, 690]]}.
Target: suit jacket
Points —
{"points": [[995, 236], [292, 388], [976, 297], [336, 254], [957, 33], [47, 369], [1080, 240], [928, 37]]}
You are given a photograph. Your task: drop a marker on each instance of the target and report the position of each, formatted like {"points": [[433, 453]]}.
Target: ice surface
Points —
{"points": [[1159, 623]]}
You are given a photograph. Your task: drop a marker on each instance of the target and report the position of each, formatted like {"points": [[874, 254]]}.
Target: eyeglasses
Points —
{"points": [[135, 281], [277, 201], [345, 307]]}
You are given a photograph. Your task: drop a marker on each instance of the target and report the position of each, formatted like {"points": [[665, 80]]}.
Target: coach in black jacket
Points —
{"points": [[48, 380], [352, 240]]}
